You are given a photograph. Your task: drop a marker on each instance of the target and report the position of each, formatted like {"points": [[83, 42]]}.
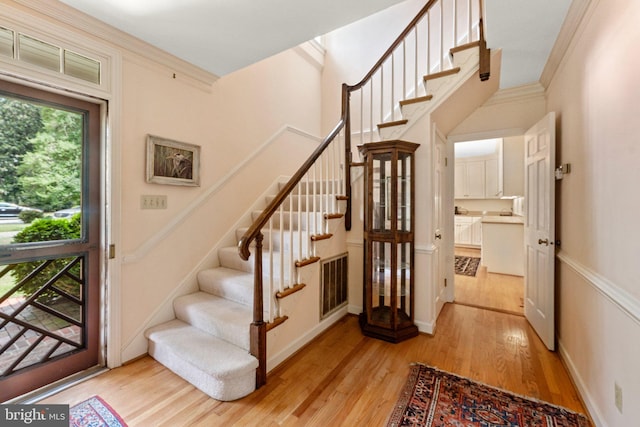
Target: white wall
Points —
{"points": [[595, 96], [354, 49]]}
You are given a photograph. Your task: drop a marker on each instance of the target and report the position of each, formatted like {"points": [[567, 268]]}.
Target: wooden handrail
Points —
{"points": [[394, 45], [267, 213]]}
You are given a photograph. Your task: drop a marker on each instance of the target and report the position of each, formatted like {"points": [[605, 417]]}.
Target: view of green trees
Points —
{"points": [[40, 155]]}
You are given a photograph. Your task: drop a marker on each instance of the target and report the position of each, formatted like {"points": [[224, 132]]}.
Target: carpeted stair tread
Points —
{"points": [[218, 368], [229, 258], [234, 285], [217, 316]]}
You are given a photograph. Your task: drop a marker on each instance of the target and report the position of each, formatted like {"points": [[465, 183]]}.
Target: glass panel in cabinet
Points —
{"points": [[381, 192], [404, 281], [404, 192], [381, 282]]}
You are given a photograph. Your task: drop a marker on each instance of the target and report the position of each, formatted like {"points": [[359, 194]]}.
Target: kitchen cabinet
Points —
{"points": [[480, 177], [470, 180], [468, 230], [493, 179]]}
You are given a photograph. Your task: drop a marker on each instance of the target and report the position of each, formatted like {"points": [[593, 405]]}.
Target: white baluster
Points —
{"points": [[281, 252], [291, 247], [428, 36], [441, 37], [361, 115], [393, 85], [415, 73], [455, 22], [270, 288], [307, 210], [299, 233], [370, 84]]}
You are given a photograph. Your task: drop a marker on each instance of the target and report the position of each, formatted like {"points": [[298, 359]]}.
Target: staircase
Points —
{"points": [[218, 341], [208, 343]]}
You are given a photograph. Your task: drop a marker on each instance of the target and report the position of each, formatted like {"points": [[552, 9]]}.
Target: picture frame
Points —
{"points": [[172, 162]]}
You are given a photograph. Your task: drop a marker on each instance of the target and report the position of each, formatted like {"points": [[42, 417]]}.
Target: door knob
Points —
{"points": [[438, 236], [543, 242]]}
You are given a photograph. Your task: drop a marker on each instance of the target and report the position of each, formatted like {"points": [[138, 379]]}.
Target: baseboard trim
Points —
{"points": [[425, 327], [583, 391]]}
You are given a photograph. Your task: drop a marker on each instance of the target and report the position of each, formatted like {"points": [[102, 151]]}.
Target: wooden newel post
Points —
{"points": [[258, 330], [346, 113], [485, 53]]}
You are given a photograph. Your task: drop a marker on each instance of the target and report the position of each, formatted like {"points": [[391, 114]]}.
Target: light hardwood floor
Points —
{"points": [[343, 378], [500, 292]]}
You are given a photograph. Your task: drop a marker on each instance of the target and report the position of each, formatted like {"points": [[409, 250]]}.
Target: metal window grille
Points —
{"points": [[333, 284]]}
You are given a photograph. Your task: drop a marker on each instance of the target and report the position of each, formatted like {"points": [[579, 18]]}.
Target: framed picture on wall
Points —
{"points": [[172, 162]]}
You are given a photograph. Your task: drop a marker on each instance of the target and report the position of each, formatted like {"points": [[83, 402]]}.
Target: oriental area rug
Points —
{"points": [[94, 412], [466, 265], [436, 398]]}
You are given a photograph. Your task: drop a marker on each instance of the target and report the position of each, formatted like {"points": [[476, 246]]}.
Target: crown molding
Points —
{"points": [[78, 20], [516, 94], [575, 15]]}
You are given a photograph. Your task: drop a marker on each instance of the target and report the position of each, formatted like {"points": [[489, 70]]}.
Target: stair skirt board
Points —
{"points": [[219, 369]]}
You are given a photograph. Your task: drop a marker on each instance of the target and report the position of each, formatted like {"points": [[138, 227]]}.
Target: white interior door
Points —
{"points": [[439, 219], [539, 308]]}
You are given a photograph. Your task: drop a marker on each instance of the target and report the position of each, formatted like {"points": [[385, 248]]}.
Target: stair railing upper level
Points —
{"points": [[422, 48]]}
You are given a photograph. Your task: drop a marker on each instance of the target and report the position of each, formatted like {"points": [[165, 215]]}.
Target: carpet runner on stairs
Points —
{"points": [[208, 342]]}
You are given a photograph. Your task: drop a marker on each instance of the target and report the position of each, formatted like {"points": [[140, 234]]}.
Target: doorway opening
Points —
{"points": [[49, 238], [488, 224]]}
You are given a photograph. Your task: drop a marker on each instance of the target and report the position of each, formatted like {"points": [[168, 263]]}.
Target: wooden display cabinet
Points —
{"points": [[389, 240]]}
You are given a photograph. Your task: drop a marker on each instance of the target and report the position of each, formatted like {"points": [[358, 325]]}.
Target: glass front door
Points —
{"points": [[49, 238]]}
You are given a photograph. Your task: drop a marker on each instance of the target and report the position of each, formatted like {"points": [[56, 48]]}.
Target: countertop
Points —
{"points": [[491, 217], [498, 219]]}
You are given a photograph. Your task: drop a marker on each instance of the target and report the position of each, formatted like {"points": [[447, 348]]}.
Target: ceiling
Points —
{"points": [[220, 36]]}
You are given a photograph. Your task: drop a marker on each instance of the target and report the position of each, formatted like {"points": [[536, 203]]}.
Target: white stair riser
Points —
{"points": [[276, 241], [230, 284], [294, 220], [317, 187], [217, 316], [229, 258]]}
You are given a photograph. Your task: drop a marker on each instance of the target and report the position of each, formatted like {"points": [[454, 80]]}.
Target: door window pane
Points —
{"points": [[40, 172]]}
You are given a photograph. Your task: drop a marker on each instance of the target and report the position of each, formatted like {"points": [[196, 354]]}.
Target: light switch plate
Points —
{"points": [[153, 202]]}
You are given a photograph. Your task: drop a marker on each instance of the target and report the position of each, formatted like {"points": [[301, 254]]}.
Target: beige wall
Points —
{"points": [[509, 112], [158, 252], [513, 165], [595, 95], [230, 122]]}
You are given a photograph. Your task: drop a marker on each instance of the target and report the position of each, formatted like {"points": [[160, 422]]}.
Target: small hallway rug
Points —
{"points": [[94, 412], [436, 398], [466, 265]]}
